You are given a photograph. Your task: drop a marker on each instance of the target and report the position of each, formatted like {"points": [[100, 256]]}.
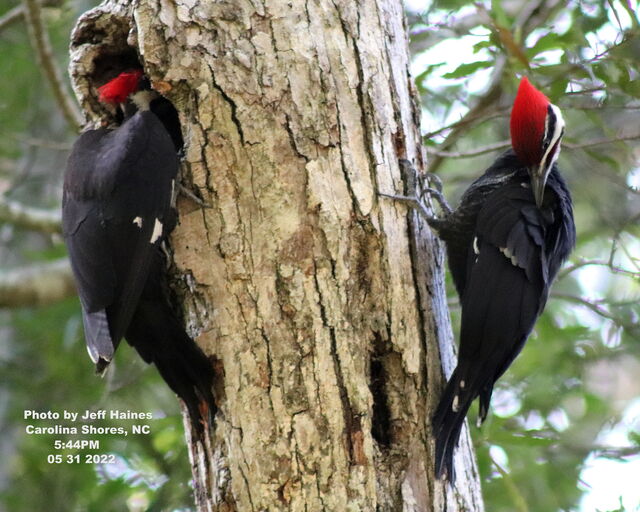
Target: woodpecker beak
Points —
{"points": [[538, 182]]}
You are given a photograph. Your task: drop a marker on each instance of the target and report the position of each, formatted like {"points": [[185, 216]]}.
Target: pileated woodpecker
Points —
{"points": [[117, 210], [505, 244]]}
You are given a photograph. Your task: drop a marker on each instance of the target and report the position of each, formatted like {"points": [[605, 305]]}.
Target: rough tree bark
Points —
{"points": [[321, 305]]}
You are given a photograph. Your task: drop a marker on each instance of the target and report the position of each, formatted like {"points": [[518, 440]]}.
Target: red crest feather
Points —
{"points": [[527, 122], [118, 89]]}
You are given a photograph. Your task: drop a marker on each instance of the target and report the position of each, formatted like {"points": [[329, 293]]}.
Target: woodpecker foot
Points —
{"points": [[439, 197], [418, 184], [431, 177], [166, 251], [412, 202], [188, 193]]}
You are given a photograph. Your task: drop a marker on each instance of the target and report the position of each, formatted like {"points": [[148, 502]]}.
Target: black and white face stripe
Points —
{"points": [[553, 132]]}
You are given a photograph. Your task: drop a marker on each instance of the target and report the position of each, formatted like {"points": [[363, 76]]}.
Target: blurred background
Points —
{"points": [[564, 433]]}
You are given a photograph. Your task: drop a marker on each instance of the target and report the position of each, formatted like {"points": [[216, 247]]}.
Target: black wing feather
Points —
{"points": [[504, 291], [108, 223], [116, 211]]}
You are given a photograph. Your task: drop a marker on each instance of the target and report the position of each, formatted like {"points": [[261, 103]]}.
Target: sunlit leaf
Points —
{"points": [[467, 69]]}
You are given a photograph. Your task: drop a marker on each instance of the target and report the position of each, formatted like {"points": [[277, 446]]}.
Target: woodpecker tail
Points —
{"points": [[448, 420], [160, 338]]}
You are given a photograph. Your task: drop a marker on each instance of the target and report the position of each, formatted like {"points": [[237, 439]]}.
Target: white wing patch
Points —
{"points": [[475, 245], [157, 232], [138, 222], [455, 405], [507, 253]]}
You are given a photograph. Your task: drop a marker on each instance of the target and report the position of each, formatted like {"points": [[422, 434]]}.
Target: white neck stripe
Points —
{"points": [[550, 141]]}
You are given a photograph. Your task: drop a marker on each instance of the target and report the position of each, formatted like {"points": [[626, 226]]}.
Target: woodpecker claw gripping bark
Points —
{"points": [[505, 242]]}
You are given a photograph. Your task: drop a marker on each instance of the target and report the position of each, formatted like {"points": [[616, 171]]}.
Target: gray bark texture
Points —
{"points": [[321, 305]]}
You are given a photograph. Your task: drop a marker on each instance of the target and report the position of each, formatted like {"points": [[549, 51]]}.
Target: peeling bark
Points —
{"points": [[322, 305]]}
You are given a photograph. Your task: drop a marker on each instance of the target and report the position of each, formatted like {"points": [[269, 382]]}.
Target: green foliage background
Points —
{"points": [[550, 408]]}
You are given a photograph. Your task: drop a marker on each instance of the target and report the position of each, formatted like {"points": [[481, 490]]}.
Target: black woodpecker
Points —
{"points": [[505, 244], [116, 211]]}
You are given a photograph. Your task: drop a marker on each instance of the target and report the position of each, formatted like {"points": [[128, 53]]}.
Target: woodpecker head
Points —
{"points": [[537, 127], [128, 86]]}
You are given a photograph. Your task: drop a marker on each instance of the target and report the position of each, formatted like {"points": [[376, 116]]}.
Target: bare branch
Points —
{"points": [[597, 309], [600, 107], [42, 46], [597, 263], [11, 16], [631, 257], [598, 142], [475, 152], [483, 106], [36, 285], [614, 452], [43, 143], [506, 143], [37, 219], [501, 112]]}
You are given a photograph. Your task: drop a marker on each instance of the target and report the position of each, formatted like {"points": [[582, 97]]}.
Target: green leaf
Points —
{"points": [[498, 13], [468, 69], [483, 45], [551, 41]]}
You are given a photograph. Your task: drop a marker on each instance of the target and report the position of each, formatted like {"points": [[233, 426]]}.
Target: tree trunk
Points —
{"points": [[321, 305]]}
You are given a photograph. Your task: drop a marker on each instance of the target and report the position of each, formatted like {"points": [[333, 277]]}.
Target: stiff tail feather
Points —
{"points": [[159, 338], [448, 420]]}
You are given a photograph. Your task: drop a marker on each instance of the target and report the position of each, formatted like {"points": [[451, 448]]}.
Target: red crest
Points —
{"points": [[118, 89], [527, 122]]}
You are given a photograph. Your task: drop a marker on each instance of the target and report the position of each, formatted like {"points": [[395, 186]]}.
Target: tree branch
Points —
{"points": [[36, 285], [597, 263], [11, 16], [506, 143], [597, 309], [501, 112], [475, 152], [37, 219], [43, 143], [42, 46], [598, 142]]}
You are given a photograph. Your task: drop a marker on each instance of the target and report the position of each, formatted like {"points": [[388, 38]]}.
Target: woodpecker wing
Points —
{"points": [[505, 290], [117, 200], [508, 279]]}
